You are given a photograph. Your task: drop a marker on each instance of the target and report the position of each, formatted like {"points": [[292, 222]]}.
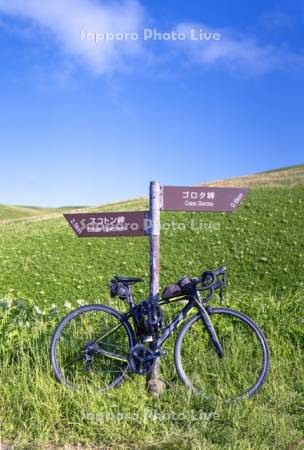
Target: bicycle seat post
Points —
{"points": [[130, 297]]}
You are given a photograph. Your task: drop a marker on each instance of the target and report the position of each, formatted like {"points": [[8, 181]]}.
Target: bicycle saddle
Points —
{"points": [[127, 280]]}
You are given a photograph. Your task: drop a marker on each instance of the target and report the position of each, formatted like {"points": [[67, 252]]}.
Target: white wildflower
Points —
{"points": [[39, 311]]}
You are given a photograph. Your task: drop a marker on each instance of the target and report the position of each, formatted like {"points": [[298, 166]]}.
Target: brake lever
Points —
{"points": [[223, 284], [221, 294]]}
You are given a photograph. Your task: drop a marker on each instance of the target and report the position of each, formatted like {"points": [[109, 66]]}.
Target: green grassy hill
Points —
{"points": [[17, 212], [10, 213], [45, 267]]}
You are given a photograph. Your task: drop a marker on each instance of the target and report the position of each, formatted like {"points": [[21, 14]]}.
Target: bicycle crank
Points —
{"points": [[141, 359]]}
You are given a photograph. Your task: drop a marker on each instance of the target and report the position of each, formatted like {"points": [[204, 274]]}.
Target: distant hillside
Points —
{"points": [[10, 213], [278, 177]]}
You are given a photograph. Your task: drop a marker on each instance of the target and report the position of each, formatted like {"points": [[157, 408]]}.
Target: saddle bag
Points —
{"points": [[118, 289]]}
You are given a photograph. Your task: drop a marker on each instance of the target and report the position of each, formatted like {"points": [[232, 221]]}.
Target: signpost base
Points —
{"points": [[155, 385]]}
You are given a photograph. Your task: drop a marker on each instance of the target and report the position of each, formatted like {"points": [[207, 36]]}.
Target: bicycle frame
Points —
{"points": [[194, 300]]}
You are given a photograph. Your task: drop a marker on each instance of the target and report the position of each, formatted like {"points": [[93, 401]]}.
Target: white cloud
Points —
{"points": [[65, 19], [234, 51]]}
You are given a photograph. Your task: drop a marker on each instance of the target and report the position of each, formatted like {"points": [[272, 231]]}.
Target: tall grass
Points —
{"points": [[36, 410]]}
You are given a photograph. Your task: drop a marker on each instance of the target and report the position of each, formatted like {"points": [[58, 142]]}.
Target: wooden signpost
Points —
{"points": [[147, 223], [155, 384]]}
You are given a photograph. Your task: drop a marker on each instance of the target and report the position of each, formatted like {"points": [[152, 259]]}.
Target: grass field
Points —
{"points": [[46, 270], [10, 213]]}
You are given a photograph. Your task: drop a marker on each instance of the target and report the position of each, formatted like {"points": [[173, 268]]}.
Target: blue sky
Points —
{"points": [[88, 123]]}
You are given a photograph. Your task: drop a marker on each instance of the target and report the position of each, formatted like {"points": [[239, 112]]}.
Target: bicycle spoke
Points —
{"points": [[86, 359], [228, 377]]}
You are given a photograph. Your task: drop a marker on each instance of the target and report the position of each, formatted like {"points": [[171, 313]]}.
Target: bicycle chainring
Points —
{"points": [[141, 359]]}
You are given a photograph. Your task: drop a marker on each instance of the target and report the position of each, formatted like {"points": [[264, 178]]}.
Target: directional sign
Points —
{"points": [[108, 224], [188, 198]]}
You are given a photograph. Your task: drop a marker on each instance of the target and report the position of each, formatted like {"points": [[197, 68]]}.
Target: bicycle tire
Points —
{"points": [[67, 320], [245, 320]]}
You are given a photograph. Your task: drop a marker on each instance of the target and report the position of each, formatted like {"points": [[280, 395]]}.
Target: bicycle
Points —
{"points": [[219, 352]]}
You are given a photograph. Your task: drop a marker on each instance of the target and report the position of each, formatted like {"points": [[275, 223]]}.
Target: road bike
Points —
{"points": [[218, 352]]}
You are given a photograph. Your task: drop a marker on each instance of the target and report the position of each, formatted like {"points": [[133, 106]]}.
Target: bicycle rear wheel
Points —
{"points": [[245, 365], [90, 347]]}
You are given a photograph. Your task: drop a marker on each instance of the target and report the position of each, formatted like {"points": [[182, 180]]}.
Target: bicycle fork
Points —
{"points": [[211, 331]]}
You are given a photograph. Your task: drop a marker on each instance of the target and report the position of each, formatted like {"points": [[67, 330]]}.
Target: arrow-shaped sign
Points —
{"points": [[108, 224], [138, 223], [188, 198]]}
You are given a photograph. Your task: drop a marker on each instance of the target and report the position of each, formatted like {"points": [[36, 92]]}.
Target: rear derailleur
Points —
{"points": [[91, 349]]}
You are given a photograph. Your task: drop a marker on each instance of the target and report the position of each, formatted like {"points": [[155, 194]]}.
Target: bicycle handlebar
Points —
{"points": [[208, 277]]}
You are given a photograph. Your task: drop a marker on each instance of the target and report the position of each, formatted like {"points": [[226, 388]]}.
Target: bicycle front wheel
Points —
{"points": [[90, 348], [243, 369]]}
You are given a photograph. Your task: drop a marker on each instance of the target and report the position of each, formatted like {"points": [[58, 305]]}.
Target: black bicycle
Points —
{"points": [[218, 352]]}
